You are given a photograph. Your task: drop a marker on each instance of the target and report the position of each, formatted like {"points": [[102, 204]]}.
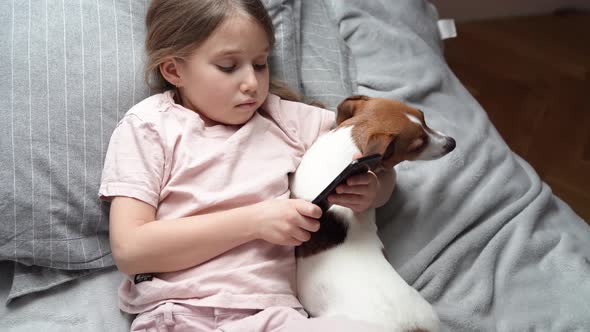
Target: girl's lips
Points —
{"points": [[247, 104]]}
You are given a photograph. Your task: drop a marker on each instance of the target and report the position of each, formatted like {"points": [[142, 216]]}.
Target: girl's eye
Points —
{"points": [[260, 67], [232, 68], [226, 69]]}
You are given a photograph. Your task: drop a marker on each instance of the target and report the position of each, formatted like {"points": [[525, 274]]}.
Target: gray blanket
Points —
{"points": [[86, 304], [477, 232]]}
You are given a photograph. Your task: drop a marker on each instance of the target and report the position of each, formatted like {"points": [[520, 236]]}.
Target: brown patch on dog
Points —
{"points": [[332, 232], [382, 126]]}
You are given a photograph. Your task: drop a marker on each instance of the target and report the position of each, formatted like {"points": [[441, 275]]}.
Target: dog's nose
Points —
{"points": [[450, 144]]}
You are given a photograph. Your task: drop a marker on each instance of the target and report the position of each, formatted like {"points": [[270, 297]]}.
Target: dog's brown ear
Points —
{"points": [[385, 145], [347, 107], [382, 144]]}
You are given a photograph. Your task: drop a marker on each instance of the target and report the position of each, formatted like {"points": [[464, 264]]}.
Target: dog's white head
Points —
{"points": [[395, 130]]}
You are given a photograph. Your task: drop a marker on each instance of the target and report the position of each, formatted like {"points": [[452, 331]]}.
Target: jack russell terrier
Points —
{"points": [[342, 269]]}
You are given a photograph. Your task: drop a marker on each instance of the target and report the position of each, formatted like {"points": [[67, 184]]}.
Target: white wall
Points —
{"points": [[467, 10]]}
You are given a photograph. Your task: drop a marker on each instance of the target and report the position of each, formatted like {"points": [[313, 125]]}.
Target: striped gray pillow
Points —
{"points": [[327, 67], [71, 70], [285, 58]]}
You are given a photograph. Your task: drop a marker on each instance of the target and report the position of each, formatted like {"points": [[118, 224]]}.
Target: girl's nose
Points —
{"points": [[250, 82]]}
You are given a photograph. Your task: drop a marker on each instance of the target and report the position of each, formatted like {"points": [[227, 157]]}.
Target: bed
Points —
{"points": [[477, 233]]}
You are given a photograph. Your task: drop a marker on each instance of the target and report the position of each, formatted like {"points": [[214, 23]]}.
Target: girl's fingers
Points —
{"points": [[310, 224], [307, 209], [361, 190], [349, 201], [342, 199], [292, 242], [357, 180], [301, 235]]}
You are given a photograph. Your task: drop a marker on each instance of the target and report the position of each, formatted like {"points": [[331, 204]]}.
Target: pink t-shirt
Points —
{"points": [[161, 153]]}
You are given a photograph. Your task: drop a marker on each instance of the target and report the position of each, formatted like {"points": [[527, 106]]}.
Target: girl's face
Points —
{"points": [[226, 79]]}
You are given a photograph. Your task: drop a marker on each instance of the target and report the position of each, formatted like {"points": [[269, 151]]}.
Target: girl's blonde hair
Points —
{"points": [[175, 28]]}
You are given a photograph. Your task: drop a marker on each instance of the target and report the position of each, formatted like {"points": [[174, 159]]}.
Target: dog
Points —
{"points": [[342, 270]]}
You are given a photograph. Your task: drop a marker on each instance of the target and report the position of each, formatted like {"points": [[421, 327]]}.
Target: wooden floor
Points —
{"points": [[532, 76]]}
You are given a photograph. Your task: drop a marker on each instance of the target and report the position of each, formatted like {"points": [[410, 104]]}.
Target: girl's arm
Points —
{"points": [[141, 244]]}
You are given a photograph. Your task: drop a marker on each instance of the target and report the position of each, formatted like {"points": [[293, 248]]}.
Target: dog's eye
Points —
{"points": [[416, 145]]}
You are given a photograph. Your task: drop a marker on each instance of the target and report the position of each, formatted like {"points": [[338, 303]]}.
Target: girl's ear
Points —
{"points": [[170, 70]]}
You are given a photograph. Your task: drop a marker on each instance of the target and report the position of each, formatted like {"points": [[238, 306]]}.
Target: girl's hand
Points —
{"points": [[286, 221], [358, 193]]}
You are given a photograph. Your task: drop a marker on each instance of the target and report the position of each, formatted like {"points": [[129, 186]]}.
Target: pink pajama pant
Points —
{"points": [[181, 317]]}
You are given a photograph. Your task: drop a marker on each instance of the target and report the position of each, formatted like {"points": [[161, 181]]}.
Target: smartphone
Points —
{"points": [[357, 166]]}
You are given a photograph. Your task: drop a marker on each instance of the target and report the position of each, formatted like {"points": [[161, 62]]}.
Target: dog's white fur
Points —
{"points": [[354, 279]]}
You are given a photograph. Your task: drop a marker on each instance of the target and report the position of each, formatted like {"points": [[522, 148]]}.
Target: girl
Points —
{"points": [[201, 219]]}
